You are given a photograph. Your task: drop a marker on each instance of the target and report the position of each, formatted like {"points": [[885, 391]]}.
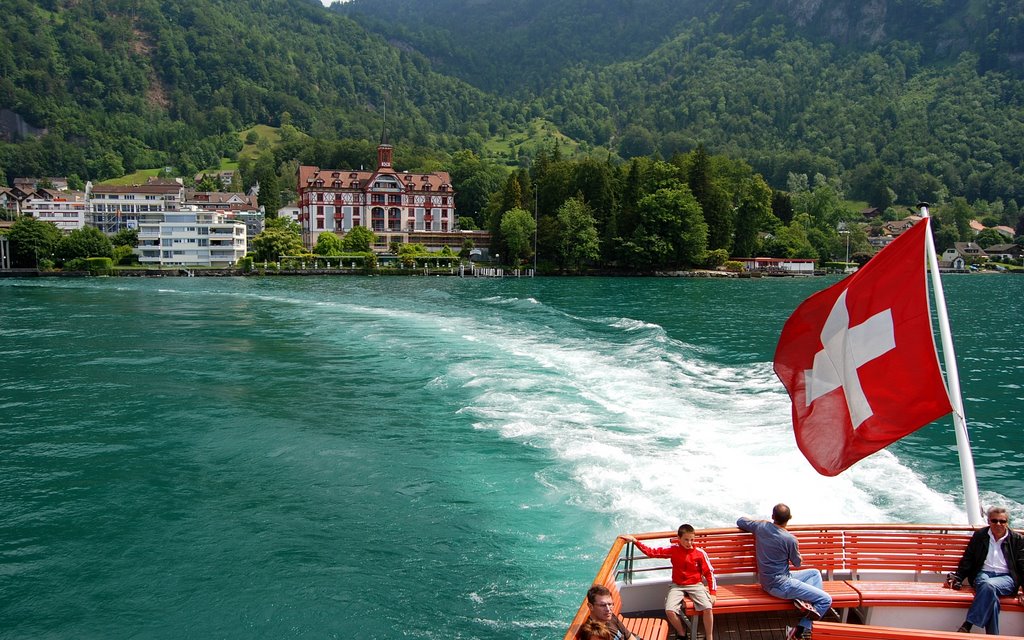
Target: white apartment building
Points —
{"points": [[116, 207], [191, 236], [68, 210]]}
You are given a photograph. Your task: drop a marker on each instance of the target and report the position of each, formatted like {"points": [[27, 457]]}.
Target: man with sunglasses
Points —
{"points": [[994, 565], [602, 611]]}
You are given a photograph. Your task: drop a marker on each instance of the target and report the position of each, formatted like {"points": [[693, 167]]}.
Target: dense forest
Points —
{"points": [[795, 101], [920, 97]]}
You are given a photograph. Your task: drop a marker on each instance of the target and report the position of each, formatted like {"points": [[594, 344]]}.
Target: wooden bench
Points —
{"points": [[733, 557], [837, 631], [874, 557]]}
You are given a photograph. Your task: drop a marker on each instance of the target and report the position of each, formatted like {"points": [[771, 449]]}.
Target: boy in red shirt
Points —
{"points": [[689, 565]]}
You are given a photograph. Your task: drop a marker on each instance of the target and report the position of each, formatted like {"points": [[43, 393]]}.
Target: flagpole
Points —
{"points": [[963, 441]]}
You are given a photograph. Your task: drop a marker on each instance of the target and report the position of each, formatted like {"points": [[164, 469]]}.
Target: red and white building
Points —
{"points": [[397, 206]]}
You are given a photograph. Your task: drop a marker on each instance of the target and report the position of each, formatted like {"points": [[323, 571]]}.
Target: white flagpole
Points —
{"points": [[963, 441]]}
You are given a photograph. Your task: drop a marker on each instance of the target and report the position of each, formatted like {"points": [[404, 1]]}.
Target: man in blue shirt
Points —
{"points": [[777, 549]]}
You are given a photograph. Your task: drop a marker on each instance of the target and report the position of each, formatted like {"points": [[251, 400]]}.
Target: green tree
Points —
{"points": [[578, 240], [713, 200], [328, 244], [32, 241], [517, 228], [358, 240], [123, 254], [512, 194], [792, 240], [280, 237], [754, 212], [988, 237], [675, 216], [960, 214], [88, 242], [125, 238], [270, 190], [209, 183]]}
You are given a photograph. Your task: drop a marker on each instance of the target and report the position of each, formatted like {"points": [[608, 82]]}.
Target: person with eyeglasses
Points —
{"points": [[993, 563], [602, 611]]}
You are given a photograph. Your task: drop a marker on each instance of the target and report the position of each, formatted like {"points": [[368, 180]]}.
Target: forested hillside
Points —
{"points": [[124, 84], [903, 99], [893, 100]]}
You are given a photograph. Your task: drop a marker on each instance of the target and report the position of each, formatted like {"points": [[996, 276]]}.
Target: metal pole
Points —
{"points": [[535, 231], [972, 502]]}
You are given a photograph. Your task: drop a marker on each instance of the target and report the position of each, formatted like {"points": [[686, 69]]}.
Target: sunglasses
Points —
{"points": [[997, 521]]}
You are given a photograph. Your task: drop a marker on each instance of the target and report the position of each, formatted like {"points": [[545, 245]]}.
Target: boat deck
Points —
{"points": [[766, 625]]}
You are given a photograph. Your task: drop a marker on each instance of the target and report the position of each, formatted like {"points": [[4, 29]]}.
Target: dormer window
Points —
{"points": [[318, 183], [336, 184]]}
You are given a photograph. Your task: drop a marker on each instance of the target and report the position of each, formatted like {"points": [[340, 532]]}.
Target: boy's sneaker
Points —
{"points": [[806, 609], [791, 632]]}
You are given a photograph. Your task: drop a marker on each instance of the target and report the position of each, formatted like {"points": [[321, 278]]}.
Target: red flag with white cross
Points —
{"points": [[859, 359]]}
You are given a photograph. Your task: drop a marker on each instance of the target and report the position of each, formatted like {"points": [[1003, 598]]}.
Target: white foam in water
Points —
{"points": [[655, 435]]}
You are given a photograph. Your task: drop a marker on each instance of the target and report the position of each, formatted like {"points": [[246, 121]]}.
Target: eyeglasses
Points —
{"points": [[997, 521]]}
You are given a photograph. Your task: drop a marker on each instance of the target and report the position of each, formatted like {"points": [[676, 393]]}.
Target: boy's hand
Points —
{"points": [[629, 539]]}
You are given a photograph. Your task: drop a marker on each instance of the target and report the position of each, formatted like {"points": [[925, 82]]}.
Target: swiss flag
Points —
{"points": [[859, 359]]}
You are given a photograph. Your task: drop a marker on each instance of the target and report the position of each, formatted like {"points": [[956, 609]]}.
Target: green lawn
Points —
{"points": [[538, 134]]}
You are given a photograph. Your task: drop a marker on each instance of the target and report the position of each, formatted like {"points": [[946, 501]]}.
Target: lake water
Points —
{"points": [[356, 457]]}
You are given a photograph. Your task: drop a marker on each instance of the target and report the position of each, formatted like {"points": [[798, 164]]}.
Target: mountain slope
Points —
{"points": [[160, 81]]}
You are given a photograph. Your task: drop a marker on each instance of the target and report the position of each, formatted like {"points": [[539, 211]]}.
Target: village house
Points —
{"points": [[951, 261], [225, 177], [11, 199], [116, 207], [1004, 230], [30, 185], [971, 251], [889, 231], [234, 206], [1005, 252], [786, 266], [67, 210]]}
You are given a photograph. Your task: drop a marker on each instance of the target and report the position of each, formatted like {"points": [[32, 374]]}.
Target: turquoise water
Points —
{"points": [[418, 457]]}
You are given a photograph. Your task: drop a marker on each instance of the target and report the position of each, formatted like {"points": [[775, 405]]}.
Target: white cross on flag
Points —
{"points": [[859, 359]]}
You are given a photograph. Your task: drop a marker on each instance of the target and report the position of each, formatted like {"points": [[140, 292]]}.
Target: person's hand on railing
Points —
{"points": [[631, 539]]}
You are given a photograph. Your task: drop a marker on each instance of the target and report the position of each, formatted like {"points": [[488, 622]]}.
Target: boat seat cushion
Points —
{"points": [[746, 598], [919, 594], [838, 631]]}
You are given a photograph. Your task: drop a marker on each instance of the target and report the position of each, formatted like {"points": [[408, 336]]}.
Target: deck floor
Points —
{"points": [[768, 625]]}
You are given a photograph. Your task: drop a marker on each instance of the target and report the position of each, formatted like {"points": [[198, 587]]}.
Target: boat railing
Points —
{"points": [[841, 551]]}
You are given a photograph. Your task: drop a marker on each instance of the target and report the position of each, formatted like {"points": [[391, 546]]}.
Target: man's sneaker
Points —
{"points": [[806, 609], [791, 632]]}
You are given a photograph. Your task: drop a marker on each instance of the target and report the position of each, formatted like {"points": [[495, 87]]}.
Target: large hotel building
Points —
{"points": [[397, 206]]}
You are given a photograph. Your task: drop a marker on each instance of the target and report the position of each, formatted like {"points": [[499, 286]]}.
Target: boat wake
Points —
{"points": [[652, 432]]}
